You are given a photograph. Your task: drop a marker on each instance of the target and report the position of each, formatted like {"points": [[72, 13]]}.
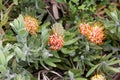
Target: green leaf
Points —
{"points": [[76, 58], [4, 21], [91, 70], [56, 54], [2, 58], [9, 57], [20, 77], [87, 47], [5, 18], [112, 59], [41, 62], [80, 79], [54, 59], [71, 75], [21, 22], [14, 65], [112, 69], [22, 32], [96, 47], [18, 26], [45, 24], [50, 63], [2, 69], [71, 41], [77, 72], [113, 62], [67, 51], [108, 12], [108, 56], [82, 7], [44, 35], [45, 54], [72, 8], [19, 53], [105, 57], [112, 14]]}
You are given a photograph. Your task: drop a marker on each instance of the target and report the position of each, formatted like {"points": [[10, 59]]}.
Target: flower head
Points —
{"points": [[31, 24], [55, 42], [96, 35], [84, 29], [98, 77]]}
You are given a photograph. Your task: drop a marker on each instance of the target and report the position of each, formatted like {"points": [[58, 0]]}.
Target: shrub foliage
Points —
{"points": [[59, 39]]}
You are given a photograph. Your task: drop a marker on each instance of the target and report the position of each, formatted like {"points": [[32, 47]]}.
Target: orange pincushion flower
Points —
{"points": [[31, 24], [98, 77], [96, 35], [84, 29], [56, 42]]}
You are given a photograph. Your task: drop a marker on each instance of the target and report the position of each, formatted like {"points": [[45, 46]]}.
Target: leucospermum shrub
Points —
{"points": [[49, 46]]}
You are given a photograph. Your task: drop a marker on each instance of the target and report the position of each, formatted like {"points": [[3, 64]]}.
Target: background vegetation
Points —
{"points": [[25, 56]]}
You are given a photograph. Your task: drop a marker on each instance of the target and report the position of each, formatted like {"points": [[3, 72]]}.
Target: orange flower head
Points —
{"points": [[98, 77], [96, 35], [84, 29], [55, 42], [31, 24]]}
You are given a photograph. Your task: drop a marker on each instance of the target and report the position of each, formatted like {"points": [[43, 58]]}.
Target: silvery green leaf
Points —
{"points": [[2, 68], [9, 57], [71, 75], [7, 48], [19, 53], [2, 58]]}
